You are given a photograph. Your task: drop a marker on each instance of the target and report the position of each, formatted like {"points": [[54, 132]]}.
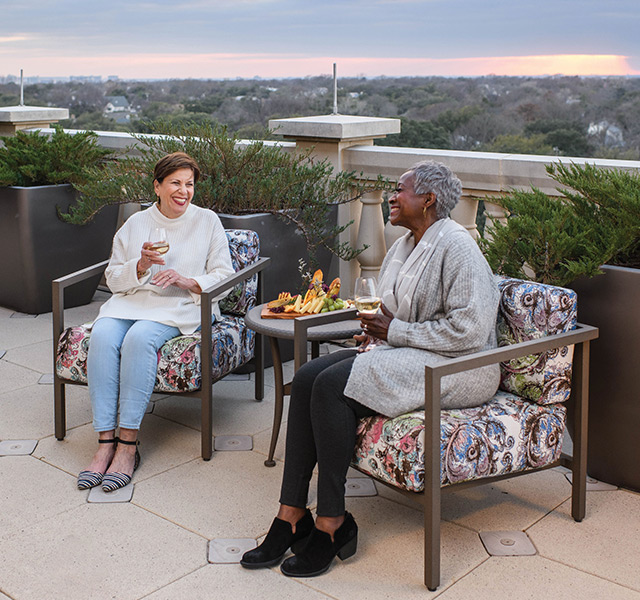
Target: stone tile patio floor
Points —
{"points": [[56, 544]]}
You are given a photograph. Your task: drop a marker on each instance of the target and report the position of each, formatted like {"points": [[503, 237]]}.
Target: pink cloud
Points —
{"points": [[156, 66]]}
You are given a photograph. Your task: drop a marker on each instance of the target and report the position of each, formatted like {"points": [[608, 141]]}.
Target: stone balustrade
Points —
{"points": [[347, 142]]}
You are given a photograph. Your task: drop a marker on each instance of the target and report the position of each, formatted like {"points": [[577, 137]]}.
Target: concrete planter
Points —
{"points": [[37, 246], [611, 302]]}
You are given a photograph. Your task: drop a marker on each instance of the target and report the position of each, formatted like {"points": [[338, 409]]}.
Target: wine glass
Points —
{"points": [[158, 239], [365, 296]]}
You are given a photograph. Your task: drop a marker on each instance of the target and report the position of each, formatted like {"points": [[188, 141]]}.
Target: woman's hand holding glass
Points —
{"points": [[152, 251], [373, 315]]}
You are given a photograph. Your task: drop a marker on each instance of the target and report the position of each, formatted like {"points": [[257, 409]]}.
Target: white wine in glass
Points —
{"points": [[158, 239], [365, 296]]}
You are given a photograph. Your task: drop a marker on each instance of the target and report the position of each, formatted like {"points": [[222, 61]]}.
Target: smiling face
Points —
{"points": [[405, 206], [175, 192]]}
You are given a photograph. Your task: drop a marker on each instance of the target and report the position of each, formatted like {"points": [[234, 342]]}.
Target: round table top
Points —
{"points": [[283, 328]]}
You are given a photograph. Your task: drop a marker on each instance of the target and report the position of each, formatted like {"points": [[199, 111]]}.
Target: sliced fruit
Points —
{"points": [[334, 287]]}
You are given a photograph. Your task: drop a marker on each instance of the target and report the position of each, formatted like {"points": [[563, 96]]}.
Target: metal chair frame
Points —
{"points": [[205, 393], [430, 498]]}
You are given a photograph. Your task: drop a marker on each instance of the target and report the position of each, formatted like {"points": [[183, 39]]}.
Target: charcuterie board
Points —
{"points": [[265, 313]]}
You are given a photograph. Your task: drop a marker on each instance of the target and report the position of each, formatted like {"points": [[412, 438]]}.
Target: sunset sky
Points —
{"points": [[294, 38]]}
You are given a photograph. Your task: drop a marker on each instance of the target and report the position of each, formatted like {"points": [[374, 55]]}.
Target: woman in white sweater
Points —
{"points": [[155, 298], [439, 300]]}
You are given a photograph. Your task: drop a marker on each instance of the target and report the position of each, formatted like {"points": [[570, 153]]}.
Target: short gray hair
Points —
{"points": [[434, 177]]}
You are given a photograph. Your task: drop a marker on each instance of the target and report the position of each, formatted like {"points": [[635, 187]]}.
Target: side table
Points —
{"points": [[337, 325]]}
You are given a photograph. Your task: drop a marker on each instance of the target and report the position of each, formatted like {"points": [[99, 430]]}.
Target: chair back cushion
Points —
{"points": [[244, 247], [530, 311], [505, 435]]}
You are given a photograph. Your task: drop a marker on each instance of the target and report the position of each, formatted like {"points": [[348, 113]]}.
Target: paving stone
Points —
{"points": [[510, 504], [128, 553], [233, 495], [606, 543], [32, 491], [531, 578], [27, 412], [232, 581]]}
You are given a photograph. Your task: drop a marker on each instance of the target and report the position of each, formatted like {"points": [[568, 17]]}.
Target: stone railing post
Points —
{"points": [[329, 136], [15, 118]]}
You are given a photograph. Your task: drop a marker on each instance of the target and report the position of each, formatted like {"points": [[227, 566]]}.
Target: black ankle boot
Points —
{"points": [[279, 539], [319, 551]]}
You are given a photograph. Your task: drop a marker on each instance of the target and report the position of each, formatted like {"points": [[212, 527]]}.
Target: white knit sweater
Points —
{"points": [[198, 249]]}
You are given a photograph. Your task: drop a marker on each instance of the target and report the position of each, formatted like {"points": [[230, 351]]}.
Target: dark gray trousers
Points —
{"points": [[321, 429]]}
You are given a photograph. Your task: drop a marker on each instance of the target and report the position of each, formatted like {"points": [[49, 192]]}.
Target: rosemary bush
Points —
{"points": [[596, 220], [30, 159], [235, 179]]}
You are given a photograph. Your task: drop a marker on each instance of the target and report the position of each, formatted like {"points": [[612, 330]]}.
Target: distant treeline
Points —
{"points": [[568, 116]]}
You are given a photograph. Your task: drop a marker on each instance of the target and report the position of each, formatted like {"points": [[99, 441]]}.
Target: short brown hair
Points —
{"points": [[172, 162]]}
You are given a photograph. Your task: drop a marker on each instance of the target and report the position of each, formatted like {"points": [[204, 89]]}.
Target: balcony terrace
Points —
{"points": [[56, 544]]}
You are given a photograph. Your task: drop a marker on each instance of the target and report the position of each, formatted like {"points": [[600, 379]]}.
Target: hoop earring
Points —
{"points": [[424, 211]]}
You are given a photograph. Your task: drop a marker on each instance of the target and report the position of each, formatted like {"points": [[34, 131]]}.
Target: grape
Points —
{"points": [[332, 307], [324, 310]]}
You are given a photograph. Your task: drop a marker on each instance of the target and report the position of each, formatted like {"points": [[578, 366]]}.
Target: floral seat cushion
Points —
{"points": [[505, 435], [179, 366], [520, 428]]}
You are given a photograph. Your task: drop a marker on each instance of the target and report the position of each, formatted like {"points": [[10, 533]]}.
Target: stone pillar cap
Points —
{"points": [[334, 127], [22, 114]]}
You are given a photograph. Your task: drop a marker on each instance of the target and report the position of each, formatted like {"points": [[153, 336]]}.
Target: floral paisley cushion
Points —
{"points": [[505, 435], [178, 360], [244, 247], [531, 311]]}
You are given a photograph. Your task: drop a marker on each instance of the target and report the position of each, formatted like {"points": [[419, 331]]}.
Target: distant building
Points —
{"points": [[118, 109]]}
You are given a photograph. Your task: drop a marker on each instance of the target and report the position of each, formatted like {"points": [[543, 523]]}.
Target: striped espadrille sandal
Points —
{"points": [[114, 481], [91, 479]]}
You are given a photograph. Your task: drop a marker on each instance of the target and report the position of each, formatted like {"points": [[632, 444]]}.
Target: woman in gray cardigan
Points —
{"points": [[439, 300]]}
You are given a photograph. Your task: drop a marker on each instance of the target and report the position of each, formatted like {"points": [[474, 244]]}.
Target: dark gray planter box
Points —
{"points": [[285, 245], [611, 302], [37, 247]]}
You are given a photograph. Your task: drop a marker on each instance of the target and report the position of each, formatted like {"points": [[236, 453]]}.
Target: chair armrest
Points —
{"points": [[57, 294], [581, 333], [301, 326], [206, 297], [228, 282]]}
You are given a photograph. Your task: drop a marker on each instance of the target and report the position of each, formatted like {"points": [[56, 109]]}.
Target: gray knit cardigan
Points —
{"points": [[453, 312]]}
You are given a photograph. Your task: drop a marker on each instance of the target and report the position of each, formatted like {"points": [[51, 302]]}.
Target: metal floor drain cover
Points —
{"points": [[19, 315], [360, 486], [233, 442], [593, 485], [227, 551], [97, 496], [17, 447], [507, 543], [46, 379]]}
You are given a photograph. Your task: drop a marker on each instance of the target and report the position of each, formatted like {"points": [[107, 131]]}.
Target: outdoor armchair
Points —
{"points": [[544, 362], [188, 365]]}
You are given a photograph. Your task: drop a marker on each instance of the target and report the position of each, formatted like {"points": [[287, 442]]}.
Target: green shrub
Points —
{"points": [[596, 220], [235, 179], [30, 159]]}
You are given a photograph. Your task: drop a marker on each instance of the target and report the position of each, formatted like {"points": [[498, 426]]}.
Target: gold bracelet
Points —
{"points": [[141, 273]]}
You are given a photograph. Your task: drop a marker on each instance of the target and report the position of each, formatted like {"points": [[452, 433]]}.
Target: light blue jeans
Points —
{"points": [[122, 365]]}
